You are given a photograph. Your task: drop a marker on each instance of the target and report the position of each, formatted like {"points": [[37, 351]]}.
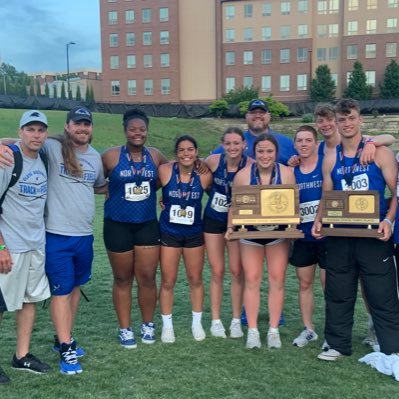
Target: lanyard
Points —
{"points": [[349, 176], [273, 178], [228, 179], [183, 201], [138, 173]]}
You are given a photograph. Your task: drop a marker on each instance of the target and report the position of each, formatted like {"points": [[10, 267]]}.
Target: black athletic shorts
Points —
{"points": [[123, 237], [307, 253], [213, 226], [182, 242]]}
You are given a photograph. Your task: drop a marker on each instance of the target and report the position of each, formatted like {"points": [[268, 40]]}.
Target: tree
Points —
{"points": [[390, 86], [54, 91], [323, 86], [78, 95], [31, 90], [219, 107], [15, 82], [241, 94], [38, 88], [46, 90], [358, 88], [63, 95]]}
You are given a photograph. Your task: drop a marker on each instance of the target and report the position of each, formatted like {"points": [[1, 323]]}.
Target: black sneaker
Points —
{"points": [[3, 377], [30, 363]]}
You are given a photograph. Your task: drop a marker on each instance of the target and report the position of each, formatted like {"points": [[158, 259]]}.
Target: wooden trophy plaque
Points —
{"points": [[273, 210], [355, 208]]}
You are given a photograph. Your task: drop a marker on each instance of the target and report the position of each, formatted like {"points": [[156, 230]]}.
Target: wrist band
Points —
{"points": [[370, 141], [3, 247], [388, 221]]}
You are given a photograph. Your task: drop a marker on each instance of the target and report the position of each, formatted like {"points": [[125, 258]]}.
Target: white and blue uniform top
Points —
{"points": [[310, 191], [181, 216], [220, 195], [132, 189], [22, 219]]}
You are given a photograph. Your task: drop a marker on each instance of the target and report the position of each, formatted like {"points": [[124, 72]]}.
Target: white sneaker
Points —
{"points": [[304, 338], [217, 329], [253, 339], [273, 340], [331, 355], [198, 332], [168, 335], [235, 329], [325, 347]]}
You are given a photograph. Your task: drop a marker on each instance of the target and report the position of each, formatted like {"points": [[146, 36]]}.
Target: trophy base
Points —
{"points": [[342, 232], [287, 233]]}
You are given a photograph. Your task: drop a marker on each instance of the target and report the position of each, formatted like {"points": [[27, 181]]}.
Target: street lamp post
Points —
{"points": [[3, 72], [67, 57]]}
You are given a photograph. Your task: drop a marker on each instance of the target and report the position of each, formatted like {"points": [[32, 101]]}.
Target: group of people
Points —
{"points": [[136, 242]]}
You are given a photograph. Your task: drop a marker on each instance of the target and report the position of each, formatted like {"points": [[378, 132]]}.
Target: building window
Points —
{"points": [[370, 78], [147, 38], [115, 88], [165, 86], [284, 82], [303, 6], [371, 26], [266, 56], [230, 84], [351, 52], [248, 10], [371, 50], [334, 77], [230, 35], [284, 56], [322, 30], [302, 54], [130, 39], [112, 17], [163, 14], [266, 9], [248, 57], [393, 3], [321, 6], [348, 76], [333, 30], [165, 60], [148, 87], [131, 61], [266, 84], [131, 87], [164, 37], [146, 15], [147, 60], [114, 62], [230, 12], [352, 28], [285, 7], [230, 58], [353, 5], [371, 4], [390, 49], [113, 40], [302, 82], [334, 6], [129, 16], [248, 82], [333, 53], [248, 34], [266, 33], [303, 31], [321, 54], [392, 24], [285, 32]]}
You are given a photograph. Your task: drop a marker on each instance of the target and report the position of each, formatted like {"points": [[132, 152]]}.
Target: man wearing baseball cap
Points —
{"points": [[258, 119], [23, 281]]}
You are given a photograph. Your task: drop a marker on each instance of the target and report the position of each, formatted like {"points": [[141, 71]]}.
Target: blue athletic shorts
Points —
{"points": [[68, 262]]}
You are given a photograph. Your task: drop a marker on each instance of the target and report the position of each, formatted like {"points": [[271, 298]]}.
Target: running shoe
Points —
{"points": [[3, 377], [30, 363], [168, 335], [331, 355], [126, 338], [148, 333], [217, 329], [198, 332], [273, 340], [307, 335], [80, 352], [253, 339], [235, 329], [69, 363]]}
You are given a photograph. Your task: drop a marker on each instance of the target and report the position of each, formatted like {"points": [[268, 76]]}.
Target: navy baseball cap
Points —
{"points": [[79, 114], [258, 104]]}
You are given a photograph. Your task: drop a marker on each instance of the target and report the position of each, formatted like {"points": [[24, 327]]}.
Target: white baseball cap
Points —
{"points": [[33, 116]]}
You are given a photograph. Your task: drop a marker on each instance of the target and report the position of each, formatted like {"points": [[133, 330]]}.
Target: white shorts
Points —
{"points": [[26, 283]]}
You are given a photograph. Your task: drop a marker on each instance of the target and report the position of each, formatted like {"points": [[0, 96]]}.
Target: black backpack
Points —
{"points": [[16, 172]]}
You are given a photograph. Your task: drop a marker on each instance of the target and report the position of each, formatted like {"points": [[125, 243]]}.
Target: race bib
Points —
{"points": [[182, 216], [359, 183], [219, 203], [308, 210], [136, 193]]}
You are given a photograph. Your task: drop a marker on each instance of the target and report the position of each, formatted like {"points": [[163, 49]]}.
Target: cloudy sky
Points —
{"points": [[34, 33]]}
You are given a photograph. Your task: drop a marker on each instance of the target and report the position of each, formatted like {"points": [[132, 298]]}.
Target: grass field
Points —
{"points": [[214, 368]]}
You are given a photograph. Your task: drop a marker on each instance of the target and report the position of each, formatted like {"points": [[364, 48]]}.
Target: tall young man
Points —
{"points": [[23, 281], [351, 258]]}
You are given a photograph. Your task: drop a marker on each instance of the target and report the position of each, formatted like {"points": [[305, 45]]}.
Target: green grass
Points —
{"points": [[214, 368]]}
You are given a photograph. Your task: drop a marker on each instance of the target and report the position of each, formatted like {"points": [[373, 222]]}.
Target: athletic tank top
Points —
{"points": [[181, 216], [132, 189]]}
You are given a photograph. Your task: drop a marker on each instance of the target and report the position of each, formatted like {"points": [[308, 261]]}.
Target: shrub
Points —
{"points": [[218, 107], [307, 118]]}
